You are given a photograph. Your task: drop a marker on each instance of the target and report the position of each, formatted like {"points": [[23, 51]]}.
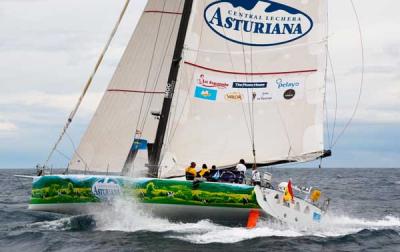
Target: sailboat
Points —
{"points": [[204, 81]]}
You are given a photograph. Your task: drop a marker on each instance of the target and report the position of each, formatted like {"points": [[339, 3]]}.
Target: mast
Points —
{"points": [[155, 148]]}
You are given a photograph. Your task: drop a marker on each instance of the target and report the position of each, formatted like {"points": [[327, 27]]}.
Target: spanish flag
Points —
{"points": [[289, 196]]}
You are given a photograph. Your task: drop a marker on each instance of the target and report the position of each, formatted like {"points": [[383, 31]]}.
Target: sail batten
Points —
{"points": [[163, 12], [135, 91]]}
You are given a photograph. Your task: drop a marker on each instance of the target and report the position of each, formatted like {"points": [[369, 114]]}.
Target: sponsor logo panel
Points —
{"points": [[234, 96], [287, 83], [263, 96], [106, 188], [205, 93], [289, 94], [205, 82], [257, 23], [316, 217], [249, 85], [262, 89], [139, 144]]}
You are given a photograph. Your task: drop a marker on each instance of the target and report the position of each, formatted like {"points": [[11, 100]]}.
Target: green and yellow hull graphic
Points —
{"points": [[65, 189]]}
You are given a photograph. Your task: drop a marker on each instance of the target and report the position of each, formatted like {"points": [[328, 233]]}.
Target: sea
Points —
{"points": [[364, 215]]}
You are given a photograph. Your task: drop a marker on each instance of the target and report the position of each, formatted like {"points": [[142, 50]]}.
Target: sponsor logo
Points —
{"points": [[249, 85], [289, 94], [286, 84], [316, 217], [264, 96], [269, 23], [211, 84], [234, 96], [169, 89], [106, 188], [205, 93], [139, 144]]}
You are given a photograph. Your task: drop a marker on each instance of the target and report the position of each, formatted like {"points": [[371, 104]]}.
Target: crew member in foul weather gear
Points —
{"points": [[191, 172], [204, 172], [315, 195]]}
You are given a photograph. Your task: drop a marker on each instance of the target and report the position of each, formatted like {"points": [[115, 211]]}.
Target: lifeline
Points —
{"points": [[254, 27]]}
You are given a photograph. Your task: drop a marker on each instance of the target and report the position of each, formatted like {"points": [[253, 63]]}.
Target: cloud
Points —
{"points": [[63, 102], [7, 129], [42, 110], [7, 126]]}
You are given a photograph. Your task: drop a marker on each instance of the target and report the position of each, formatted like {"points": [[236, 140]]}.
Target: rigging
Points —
{"points": [[362, 75]]}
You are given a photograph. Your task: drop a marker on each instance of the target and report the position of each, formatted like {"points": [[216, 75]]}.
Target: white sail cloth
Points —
{"points": [[136, 89], [252, 72]]}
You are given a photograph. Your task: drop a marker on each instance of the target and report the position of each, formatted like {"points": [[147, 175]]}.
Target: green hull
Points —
{"points": [[68, 189]]}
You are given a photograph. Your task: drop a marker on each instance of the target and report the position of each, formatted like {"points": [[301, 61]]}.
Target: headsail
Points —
{"points": [[136, 89], [252, 75]]}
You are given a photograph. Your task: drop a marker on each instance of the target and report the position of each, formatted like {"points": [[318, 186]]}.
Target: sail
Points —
{"points": [[251, 78], [135, 91]]}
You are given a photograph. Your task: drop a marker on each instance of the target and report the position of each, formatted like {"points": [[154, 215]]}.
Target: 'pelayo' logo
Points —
{"points": [[257, 22]]}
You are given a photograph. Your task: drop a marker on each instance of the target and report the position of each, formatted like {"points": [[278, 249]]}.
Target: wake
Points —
{"points": [[126, 216]]}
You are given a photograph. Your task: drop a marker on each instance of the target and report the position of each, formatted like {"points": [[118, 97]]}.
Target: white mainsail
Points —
{"points": [[136, 89], [252, 74]]}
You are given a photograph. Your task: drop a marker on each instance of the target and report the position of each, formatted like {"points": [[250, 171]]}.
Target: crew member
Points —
{"points": [[191, 172], [214, 174], [204, 172], [240, 169], [255, 176], [39, 170]]}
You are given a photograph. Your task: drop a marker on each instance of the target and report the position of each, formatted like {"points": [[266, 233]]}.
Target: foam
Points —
{"points": [[223, 234], [77, 222], [126, 216]]}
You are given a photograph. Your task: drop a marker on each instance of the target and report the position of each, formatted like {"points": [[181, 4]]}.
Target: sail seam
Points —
{"points": [[163, 12], [135, 91], [248, 73]]}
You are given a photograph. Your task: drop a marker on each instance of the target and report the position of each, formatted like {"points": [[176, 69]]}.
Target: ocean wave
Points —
{"points": [[334, 227], [72, 223], [127, 217]]}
